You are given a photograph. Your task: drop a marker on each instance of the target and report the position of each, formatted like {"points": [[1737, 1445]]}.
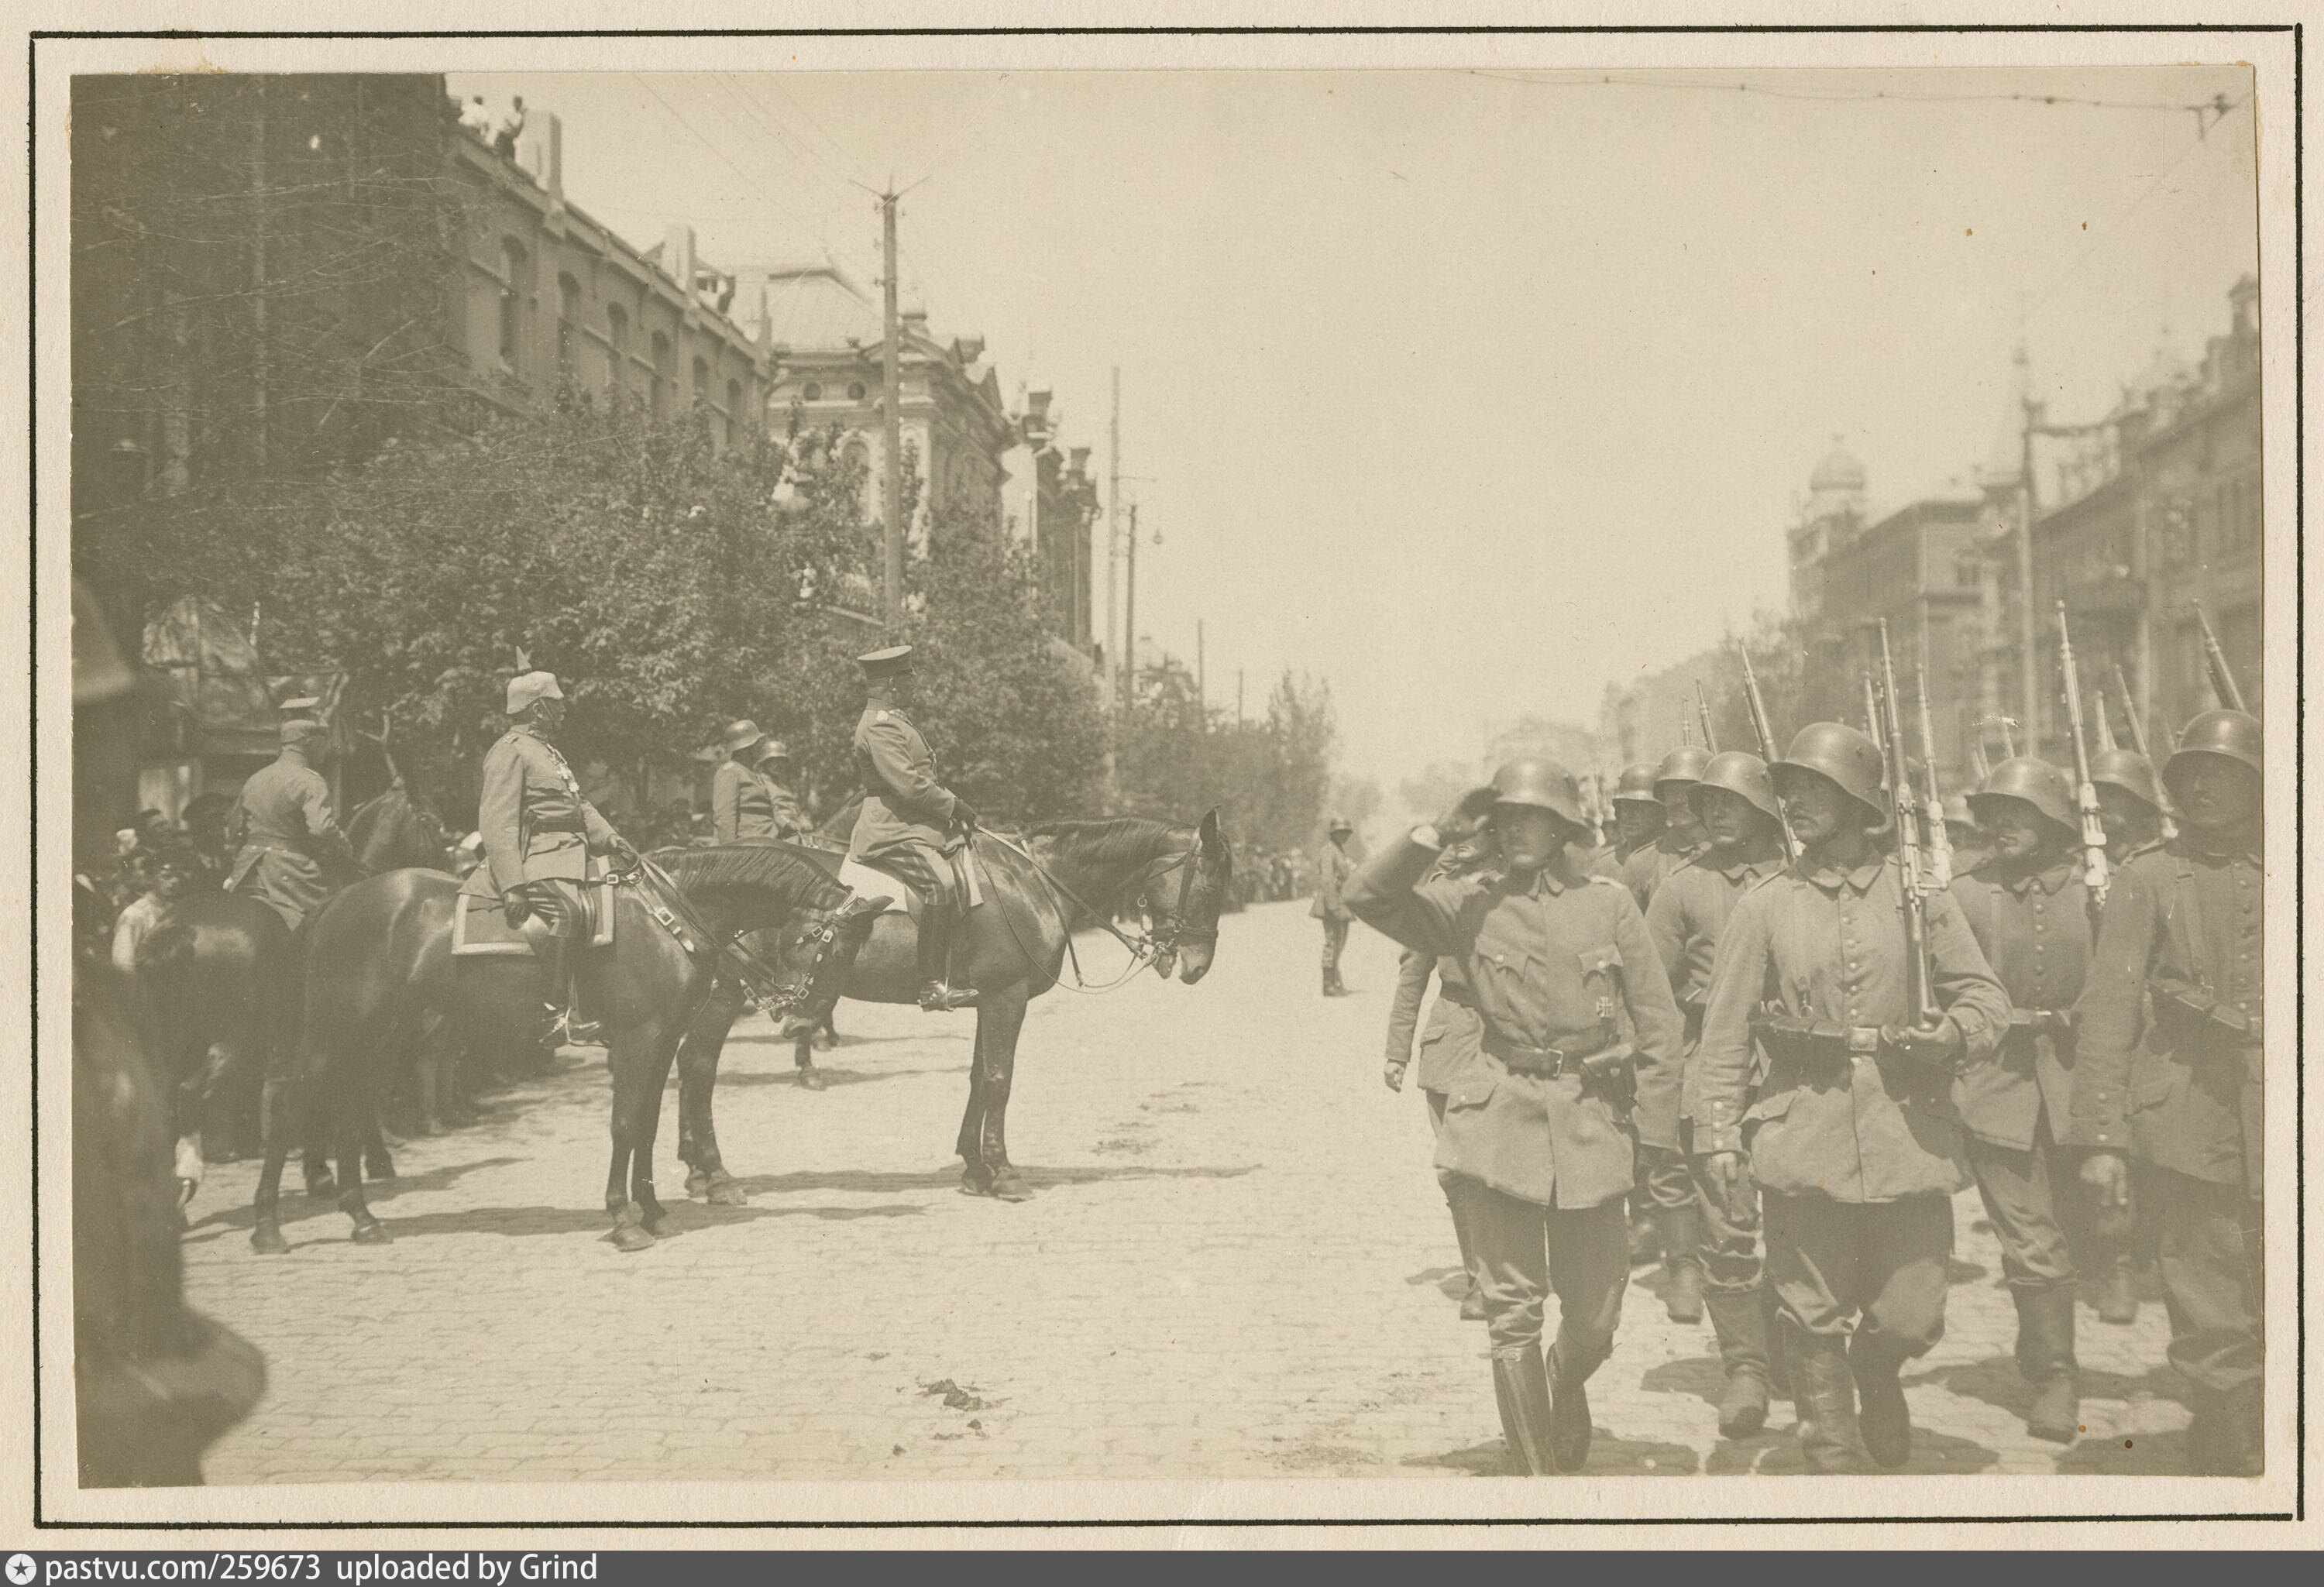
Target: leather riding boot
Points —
{"points": [[1824, 1391], [1521, 1391], [1646, 1237], [1682, 1262], [1741, 1326], [1569, 1410], [1472, 1298], [2117, 1298], [2045, 1355], [1779, 1338], [1885, 1420], [937, 997]]}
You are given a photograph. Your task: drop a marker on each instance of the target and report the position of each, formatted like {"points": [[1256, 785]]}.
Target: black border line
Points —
{"points": [[2299, 740]]}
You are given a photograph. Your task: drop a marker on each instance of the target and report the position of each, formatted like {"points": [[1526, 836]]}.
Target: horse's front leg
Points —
{"points": [[661, 1049], [1000, 1021], [697, 1082], [976, 1178]]}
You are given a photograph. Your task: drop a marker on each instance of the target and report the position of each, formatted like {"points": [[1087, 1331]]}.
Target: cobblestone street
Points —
{"points": [[1237, 1264]]}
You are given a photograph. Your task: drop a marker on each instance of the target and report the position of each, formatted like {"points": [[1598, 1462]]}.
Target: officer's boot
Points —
{"points": [[1742, 1329], [559, 1008], [1681, 1262], [1521, 1391], [1646, 1239], [935, 948], [1779, 1341], [1569, 1405], [2117, 1298], [1886, 1420], [1824, 1391], [2045, 1355], [1472, 1298]]}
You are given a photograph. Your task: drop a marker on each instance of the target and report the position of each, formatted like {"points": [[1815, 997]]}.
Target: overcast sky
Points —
{"points": [[1472, 393]]}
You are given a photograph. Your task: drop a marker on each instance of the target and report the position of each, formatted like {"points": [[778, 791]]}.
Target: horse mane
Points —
{"points": [[1116, 840], [749, 865]]}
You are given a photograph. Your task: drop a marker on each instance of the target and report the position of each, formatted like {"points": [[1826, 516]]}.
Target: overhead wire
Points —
{"points": [[757, 185], [2217, 105]]}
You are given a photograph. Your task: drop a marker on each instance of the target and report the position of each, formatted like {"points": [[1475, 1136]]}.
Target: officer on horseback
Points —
{"points": [[289, 834], [911, 825], [538, 834]]}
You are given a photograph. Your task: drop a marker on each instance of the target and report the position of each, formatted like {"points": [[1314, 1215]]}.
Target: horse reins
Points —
{"points": [[1141, 952], [667, 903]]}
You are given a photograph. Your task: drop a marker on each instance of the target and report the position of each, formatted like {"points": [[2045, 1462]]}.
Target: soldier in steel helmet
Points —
{"points": [[1333, 866], [1682, 836], [742, 800], [774, 767], [2130, 804], [1853, 1138], [2029, 912], [1637, 819], [540, 839], [2170, 1073], [1718, 1243], [912, 825], [1970, 842], [1538, 1131]]}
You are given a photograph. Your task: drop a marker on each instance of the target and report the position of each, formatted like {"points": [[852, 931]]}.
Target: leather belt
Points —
{"points": [[2200, 1003], [2059, 1020], [1547, 1062]]}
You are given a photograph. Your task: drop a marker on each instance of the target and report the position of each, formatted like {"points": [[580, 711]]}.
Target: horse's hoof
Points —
{"points": [[323, 1187], [371, 1233], [810, 1078], [267, 1241], [1009, 1187], [379, 1169], [727, 1191], [186, 1188], [630, 1237], [826, 1039], [698, 1184]]}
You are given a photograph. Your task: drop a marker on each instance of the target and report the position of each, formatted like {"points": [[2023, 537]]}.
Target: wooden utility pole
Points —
{"points": [[1238, 696], [2028, 685], [1201, 677], [1113, 549], [891, 589], [1130, 615]]}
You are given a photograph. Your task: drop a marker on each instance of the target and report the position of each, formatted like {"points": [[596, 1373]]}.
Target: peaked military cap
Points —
{"points": [[886, 662]]}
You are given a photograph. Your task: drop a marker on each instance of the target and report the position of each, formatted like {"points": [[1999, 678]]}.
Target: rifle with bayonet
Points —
{"points": [[1941, 841], [2106, 723], [2223, 682], [1872, 710], [1920, 997], [1978, 766], [1765, 731], [1702, 709], [2138, 740], [2086, 792]]}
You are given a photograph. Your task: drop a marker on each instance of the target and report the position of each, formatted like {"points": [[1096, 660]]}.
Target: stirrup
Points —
{"points": [[567, 1029], [936, 998]]}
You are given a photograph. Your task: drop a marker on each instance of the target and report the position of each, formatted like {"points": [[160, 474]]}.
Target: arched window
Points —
{"points": [[513, 282], [702, 383], [662, 367], [733, 411], [569, 320], [812, 392], [855, 390], [617, 350]]}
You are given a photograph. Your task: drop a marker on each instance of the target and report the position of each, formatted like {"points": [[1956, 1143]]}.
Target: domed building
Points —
{"points": [[1833, 514]]}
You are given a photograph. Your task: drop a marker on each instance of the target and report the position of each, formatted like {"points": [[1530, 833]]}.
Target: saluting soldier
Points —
{"points": [[1682, 836], [1716, 1237], [1637, 819], [538, 835], [293, 855], [741, 801], [1538, 1128], [1333, 866], [2130, 804], [2170, 1073], [912, 825], [2029, 909], [1854, 1139]]}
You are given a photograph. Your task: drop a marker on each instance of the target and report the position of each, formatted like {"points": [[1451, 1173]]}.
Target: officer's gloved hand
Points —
{"points": [[1392, 1072], [625, 858], [964, 813], [516, 911], [1463, 817], [1939, 1045], [2108, 1173]]}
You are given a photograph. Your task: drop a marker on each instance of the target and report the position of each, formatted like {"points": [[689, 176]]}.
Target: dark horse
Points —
{"points": [[1012, 947], [381, 976]]}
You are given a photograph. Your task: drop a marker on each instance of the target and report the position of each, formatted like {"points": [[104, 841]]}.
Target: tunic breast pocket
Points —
{"points": [[1768, 1110], [1470, 1091]]}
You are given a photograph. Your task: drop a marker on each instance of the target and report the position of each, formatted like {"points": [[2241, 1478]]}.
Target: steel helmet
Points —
{"points": [[1338, 823], [1835, 751], [1637, 785], [1957, 809], [2232, 734], [2128, 770], [740, 735], [2034, 782], [1738, 771], [1683, 764], [1541, 782]]}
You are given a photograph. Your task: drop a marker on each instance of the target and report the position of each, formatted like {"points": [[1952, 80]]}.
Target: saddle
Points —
{"points": [[481, 927], [869, 881]]}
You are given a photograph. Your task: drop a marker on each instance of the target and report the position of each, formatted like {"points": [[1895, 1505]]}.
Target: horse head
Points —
{"points": [[1188, 935]]}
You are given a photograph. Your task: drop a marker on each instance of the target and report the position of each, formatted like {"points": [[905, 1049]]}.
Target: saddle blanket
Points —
{"points": [[479, 927], [869, 882]]}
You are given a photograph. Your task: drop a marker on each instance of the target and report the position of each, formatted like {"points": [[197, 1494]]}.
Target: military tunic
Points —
{"points": [[1651, 865], [289, 832], [743, 808], [2169, 1071], [534, 822], [905, 826], [1333, 866], [2033, 928]]}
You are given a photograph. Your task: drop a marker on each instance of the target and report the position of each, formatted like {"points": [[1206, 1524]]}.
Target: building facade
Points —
{"points": [[1057, 522]]}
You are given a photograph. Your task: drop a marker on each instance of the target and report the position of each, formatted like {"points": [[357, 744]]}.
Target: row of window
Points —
{"points": [[812, 391]]}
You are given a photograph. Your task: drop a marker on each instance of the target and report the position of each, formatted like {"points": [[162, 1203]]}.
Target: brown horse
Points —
{"points": [[380, 977], [1013, 946], [396, 830]]}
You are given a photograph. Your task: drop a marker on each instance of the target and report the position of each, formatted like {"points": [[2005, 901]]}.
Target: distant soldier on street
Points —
{"points": [[1714, 1240], [1853, 1139], [2028, 907], [746, 805], [912, 825], [293, 855], [1333, 866], [1538, 1131], [2171, 1072], [539, 836]]}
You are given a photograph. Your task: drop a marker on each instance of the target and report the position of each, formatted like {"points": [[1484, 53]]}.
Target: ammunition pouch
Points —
{"points": [[1593, 1057], [2056, 1021], [2185, 1008]]}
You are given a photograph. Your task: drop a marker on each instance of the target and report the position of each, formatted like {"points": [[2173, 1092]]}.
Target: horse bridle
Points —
{"points": [[1173, 929], [761, 986], [1151, 945]]}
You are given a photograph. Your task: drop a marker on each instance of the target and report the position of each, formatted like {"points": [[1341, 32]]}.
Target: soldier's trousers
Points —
{"points": [[2209, 1239], [1335, 937], [2044, 1217], [1524, 1252], [1731, 1263], [1879, 1264]]}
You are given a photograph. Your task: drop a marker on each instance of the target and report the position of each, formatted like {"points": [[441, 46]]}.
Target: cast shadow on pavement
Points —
{"points": [[1609, 1457], [728, 1080], [297, 1206], [2135, 1454], [946, 1178], [525, 1223], [1996, 1381]]}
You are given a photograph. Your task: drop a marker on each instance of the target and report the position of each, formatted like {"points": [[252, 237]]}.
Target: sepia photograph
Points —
{"points": [[1435, 779]]}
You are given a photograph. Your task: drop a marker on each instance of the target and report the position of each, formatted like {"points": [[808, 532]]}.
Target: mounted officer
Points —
{"points": [[539, 836], [293, 856], [1854, 1139], [1538, 1127], [2031, 915], [911, 825], [1333, 866], [2172, 1072], [746, 805]]}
